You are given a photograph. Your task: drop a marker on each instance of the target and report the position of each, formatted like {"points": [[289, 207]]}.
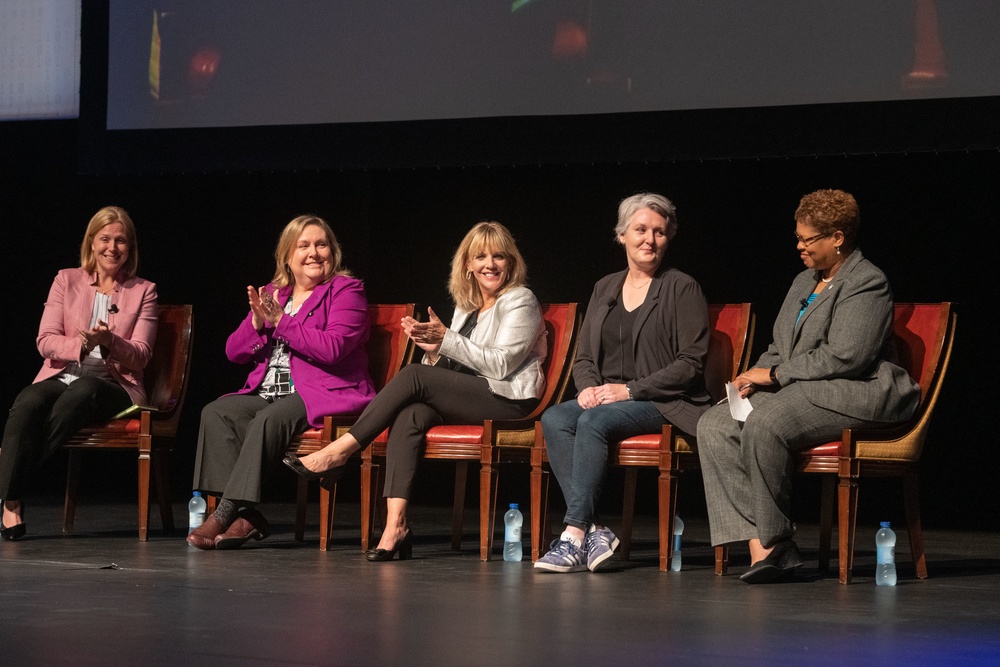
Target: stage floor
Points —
{"points": [[102, 597]]}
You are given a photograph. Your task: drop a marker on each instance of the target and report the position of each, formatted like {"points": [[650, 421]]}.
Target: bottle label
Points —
{"points": [[885, 555], [512, 534]]}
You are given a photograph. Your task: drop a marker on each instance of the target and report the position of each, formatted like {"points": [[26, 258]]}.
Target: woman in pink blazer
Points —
{"points": [[305, 335], [96, 336]]}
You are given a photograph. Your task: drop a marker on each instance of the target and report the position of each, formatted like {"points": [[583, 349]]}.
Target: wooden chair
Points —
{"points": [[492, 442], [924, 334], [671, 450], [389, 349], [150, 433]]}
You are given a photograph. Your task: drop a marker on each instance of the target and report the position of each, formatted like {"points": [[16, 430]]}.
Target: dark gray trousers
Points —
{"points": [[418, 398], [240, 439], [747, 467]]}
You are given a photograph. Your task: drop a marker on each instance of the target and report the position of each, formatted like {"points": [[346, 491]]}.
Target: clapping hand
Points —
{"points": [[99, 335], [426, 335], [264, 307]]}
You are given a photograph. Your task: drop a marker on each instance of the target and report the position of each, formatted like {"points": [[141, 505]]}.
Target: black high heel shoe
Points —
{"points": [[404, 548], [779, 565], [327, 479], [15, 532]]}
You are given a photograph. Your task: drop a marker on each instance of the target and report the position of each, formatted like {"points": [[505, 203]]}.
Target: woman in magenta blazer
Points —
{"points": [[305, 335], [96, 336]]}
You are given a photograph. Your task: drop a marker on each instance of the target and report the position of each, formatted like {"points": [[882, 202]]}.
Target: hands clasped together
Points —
{"points": [[99, 335], [603, 394], [748, 382]]}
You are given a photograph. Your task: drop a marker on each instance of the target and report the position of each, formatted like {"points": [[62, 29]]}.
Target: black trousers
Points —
{"points": [[418, 398], [44, 416], [240, 439]]}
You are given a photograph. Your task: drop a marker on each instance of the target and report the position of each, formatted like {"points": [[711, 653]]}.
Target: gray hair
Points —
{"points": [[654, 202]]}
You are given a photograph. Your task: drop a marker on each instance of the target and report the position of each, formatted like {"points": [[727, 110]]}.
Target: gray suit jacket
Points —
{"points": [[670, 337], [841, 351], [507, 347]]}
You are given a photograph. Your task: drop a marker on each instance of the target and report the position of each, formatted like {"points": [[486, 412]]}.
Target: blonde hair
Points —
{"points": [[108, 216], [490, 236], [286, 243]]}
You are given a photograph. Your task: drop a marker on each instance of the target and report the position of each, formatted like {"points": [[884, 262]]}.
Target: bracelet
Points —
{"points": [[629, 390], [774, 375]]}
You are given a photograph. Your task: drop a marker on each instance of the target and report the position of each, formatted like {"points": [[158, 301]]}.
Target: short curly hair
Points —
{"points": [[830, 211]]}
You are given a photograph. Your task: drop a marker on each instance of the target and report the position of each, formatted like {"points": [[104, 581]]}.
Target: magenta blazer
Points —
{"points": [[132, 319], [326, 341]]}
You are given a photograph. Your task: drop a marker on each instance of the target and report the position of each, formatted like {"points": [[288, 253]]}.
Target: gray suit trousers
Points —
{"points": [[242, 437], [748, 467]]}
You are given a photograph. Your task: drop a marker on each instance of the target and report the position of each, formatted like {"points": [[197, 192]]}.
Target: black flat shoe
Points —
{"points": [[15, 532], [404, 548], [779, 565], [327, 479]]}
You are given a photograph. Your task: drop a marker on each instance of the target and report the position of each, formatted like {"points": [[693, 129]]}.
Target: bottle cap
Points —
{"points": [[513, 506], [884, 524], [198, 493]]}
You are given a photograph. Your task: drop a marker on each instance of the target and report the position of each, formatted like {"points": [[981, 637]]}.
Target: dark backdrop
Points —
{"points": [[928, 220], [209, 206]]}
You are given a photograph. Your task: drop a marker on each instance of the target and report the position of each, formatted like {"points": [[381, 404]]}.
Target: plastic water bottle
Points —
{"points": [[885, 556], [513, 551], [675, 554], [196, 511]]}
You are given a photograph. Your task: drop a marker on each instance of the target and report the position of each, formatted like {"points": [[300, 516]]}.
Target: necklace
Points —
{"points": [[826, 280], [634, 286]]}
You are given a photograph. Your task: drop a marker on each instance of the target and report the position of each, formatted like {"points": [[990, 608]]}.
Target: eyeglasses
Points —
{"points": [[806, 242]]}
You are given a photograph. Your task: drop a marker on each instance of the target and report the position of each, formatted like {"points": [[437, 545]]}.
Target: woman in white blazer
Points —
{"points": [[830, 366], [487, 365]]}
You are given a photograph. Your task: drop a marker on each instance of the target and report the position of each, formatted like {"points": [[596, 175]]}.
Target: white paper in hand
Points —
{"points": [[739, 407]]}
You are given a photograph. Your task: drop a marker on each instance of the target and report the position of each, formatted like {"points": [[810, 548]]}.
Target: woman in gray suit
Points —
{"points": [[488, 365], [830, 366], [639, 365]]}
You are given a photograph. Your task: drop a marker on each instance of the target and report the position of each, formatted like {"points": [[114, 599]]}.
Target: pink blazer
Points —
{"points": [[326, 341], [132, 320]]}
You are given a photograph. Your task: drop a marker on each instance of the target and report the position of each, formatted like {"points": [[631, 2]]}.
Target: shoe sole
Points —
{"points": [[559, 569], [229, 543], [599, 562]]}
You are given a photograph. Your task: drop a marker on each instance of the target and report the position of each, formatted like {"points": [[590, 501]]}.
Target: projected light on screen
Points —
{"points": [[227, 63]]}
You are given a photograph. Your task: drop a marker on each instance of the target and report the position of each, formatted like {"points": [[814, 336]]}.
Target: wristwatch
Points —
{"points": [[774, 376]]}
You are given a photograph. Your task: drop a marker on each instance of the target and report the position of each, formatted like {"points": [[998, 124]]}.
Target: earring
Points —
{"points": [[838, 250], [468, 274]]}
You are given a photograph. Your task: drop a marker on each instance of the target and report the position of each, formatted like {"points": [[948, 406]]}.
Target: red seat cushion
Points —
{"points": [[459, 435], [648, 441], [826, 449], [118, 426]]}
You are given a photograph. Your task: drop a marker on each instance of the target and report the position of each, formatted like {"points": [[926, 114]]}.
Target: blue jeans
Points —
{"points": [[576, 441]]}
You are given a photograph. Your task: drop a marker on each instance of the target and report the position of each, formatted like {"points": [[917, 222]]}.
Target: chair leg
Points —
{"points": [[911, 499], [367, 498], [72, 484], [161, 472], [628, 511], [327, 500], [847, 508], [487, 510], [667, 485], [301, 501], [827, 497], [458, 506], [722, 560], [143, 496], [536, 512]]}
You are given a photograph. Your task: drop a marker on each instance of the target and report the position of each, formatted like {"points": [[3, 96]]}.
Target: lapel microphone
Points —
{"points": [[113, 309]]}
